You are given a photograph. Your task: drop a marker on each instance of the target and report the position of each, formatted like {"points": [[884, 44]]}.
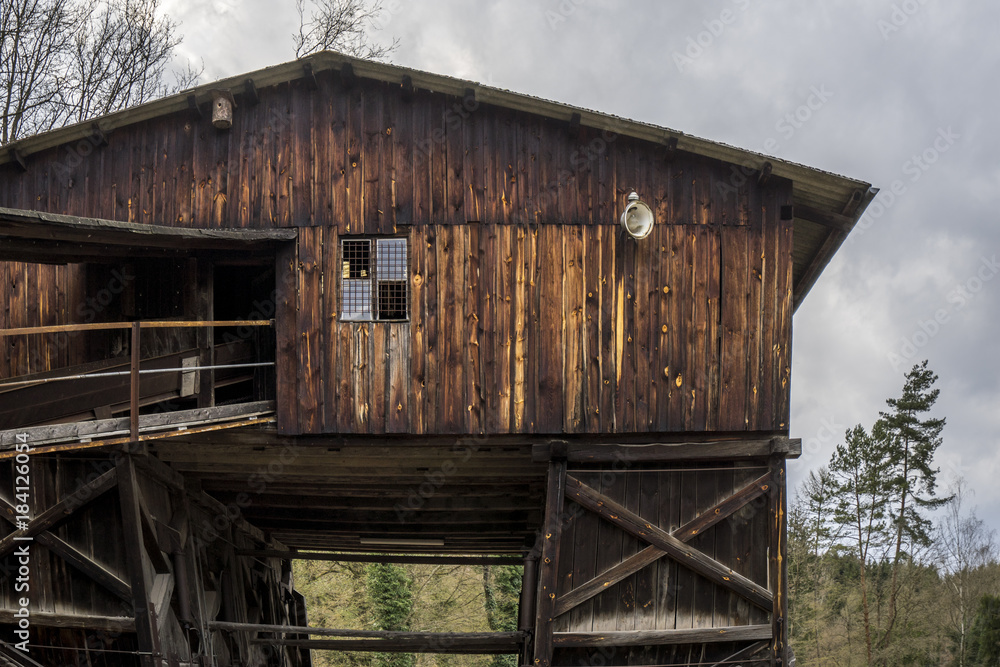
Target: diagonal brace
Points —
{"points": [[651, 554], [691, 558]]}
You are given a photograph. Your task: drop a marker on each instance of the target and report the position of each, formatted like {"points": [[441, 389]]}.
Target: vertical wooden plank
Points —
{"points": [[769, 301], [489, 294], [574, 379], [335, 127], [630, 546], [282, 195], [474, 334], [627, 360], [550, 323], [304, 146], [437, 148], [354, 163], [645, 579], [783, 318], [136, 560], [609, 540], [725, 601], [473, 177], [663, 329], [432, 334], [387, 145], [418, 330], [687, 581], [347, 389], [401, 114], [361, 351], [705, 591], [647, 254], [522, 258], [713, 269], [378, 376], [310, 330], [373, 186], [330, 325], [585, 552], [455, 183], [610, 328], [548, 566], [754, 281], [398, 409], [505, 317], [778, 584], [592, 326], [703, 342], [452, 406], [285, 322], [733, 396]]}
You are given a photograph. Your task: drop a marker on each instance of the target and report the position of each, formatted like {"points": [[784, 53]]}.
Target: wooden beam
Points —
{"points": [[742, 654], [407, 87], [548, 566], [382, 558], [133, 413], [16, 657], [474, 643], [55, 513], [102, 428], [50, 620], [145, 626], [250, 91], [764, 174], [663, 637], [777, 563], [651, 554], [835, 221], [81, 562], [664, 452], [691, 558]]}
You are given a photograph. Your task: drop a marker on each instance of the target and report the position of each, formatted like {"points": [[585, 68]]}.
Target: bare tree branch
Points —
{"points": [[340, 25]]}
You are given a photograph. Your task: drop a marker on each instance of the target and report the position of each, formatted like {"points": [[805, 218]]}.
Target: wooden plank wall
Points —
{"points": [[546, 329], [531, 312], [663, 595]]}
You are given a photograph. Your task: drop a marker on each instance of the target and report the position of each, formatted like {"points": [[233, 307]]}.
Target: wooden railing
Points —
{"points": [[134, 371]]}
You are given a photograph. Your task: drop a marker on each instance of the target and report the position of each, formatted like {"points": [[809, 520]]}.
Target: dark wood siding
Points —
{"points": [[531, 312]]}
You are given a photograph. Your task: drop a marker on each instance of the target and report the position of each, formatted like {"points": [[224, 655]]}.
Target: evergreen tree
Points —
{"points": [[502, 593], [911, 439], [390, 595], [985, 635]]}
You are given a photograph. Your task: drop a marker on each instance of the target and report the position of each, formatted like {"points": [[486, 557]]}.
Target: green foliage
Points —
{"points": [[501, 596], [985, 634], [390, 594]]}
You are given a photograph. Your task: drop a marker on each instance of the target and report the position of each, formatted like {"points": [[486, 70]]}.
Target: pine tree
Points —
{"points": [[911, 440], [390, 594]]}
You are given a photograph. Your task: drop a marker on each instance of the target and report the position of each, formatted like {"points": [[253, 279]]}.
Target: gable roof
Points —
{"points": [[826, 205]]}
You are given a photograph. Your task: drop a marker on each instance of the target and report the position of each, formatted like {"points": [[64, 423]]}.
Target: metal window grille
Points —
{"points": [[374, 279]]}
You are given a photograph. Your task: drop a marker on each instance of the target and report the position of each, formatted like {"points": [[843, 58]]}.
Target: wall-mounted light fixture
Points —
{"points": [[637, 219]]}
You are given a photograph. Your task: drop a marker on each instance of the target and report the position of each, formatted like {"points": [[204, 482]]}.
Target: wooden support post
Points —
{"points": [[134, 396], [778, 563], [205, 310], [529, 580], [145, 625], [545, 601]]}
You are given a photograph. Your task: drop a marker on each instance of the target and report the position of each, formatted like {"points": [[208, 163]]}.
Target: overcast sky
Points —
{"points": [[901, 95]]}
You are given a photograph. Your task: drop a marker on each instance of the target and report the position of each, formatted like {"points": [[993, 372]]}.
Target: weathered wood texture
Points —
{"points": [[541, 318], [180, 551]]}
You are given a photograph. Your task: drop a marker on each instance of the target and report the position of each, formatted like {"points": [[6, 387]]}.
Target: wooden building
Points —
{"points": [[345, 307]]}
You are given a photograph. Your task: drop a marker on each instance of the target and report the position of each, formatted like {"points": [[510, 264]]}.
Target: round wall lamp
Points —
{"points": [[637, 219]]}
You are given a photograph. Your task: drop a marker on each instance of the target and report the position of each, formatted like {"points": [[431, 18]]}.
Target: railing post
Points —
{"points": [[134, 376]]}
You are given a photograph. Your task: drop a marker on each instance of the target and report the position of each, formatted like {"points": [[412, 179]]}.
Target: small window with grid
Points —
{"points": [[373, 280]]}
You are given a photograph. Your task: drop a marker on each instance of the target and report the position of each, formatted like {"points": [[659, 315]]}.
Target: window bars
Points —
{"points": [[373, 280]]}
